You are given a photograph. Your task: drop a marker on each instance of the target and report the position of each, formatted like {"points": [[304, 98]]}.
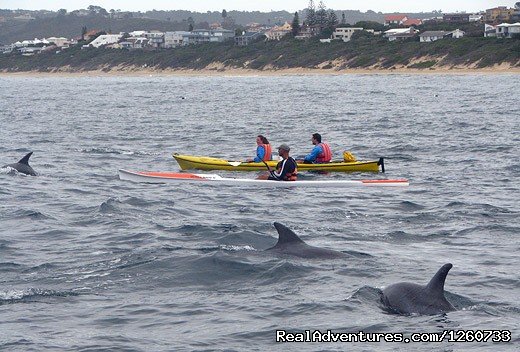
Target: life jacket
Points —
{"points": [[290, 176], [326, 155], [267, 152]]}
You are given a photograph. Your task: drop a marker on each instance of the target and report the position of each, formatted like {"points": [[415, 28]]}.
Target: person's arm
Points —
{"points": [[313, 154], [260, 153], [279, 175]]}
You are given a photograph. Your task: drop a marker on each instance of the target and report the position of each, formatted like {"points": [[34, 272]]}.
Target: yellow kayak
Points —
{"points": [[188, 162]]}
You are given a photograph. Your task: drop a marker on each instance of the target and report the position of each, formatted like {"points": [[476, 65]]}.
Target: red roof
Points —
{"points": [[392, 18], [412, 22]]}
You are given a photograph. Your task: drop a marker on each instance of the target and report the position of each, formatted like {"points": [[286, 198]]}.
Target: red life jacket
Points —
{"points": [[268, 154], [326, 155]]}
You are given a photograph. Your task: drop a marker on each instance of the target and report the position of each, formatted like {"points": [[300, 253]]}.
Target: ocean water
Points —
{"points": [[89, 262]]}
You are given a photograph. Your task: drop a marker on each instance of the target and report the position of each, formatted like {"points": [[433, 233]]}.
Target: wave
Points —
{"points": [[31, 295], [108, 150]]}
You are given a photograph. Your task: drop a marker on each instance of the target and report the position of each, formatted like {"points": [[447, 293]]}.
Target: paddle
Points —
{"points": [[268, 168]]}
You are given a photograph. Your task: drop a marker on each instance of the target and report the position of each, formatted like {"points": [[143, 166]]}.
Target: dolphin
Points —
{"points": [[23, 166], [290, 244], [410, 298]]}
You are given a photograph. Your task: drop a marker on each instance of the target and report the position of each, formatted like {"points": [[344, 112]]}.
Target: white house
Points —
{"points": [[431, 36], [105, 39], [490, 31], [400, 33], [155, 39], [59, 41], [174, 39], [345, 34], [507, 30]]}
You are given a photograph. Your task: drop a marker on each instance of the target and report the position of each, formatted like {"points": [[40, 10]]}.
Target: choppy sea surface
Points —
{"points": [[89, 262]]}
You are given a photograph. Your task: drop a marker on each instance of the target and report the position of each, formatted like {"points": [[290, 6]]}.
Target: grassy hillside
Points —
{"points": [[289, 53]]}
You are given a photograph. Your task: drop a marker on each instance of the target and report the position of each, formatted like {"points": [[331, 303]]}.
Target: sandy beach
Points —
{"points": [[226, 71]]}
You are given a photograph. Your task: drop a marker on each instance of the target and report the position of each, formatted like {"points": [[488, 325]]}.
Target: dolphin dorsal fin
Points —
{"points": [[286, 235], [25, 159], [436, 284]]}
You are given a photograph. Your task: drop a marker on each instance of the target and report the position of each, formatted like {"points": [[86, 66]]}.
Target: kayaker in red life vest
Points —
{"points": [[263, 150], [286, 170], [321, 153]]}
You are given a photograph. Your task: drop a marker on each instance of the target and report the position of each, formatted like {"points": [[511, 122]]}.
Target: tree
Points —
{"points": [[83, 32], [332, 20], [370, 25], [62, 12], [191, 23], [343, 18], [224, 14], [295, 24], [310, 19], [321, 15]]}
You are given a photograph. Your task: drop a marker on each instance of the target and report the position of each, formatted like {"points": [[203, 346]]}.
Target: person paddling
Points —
{"points": [[263, 150], [321, 152], [286, 170]]}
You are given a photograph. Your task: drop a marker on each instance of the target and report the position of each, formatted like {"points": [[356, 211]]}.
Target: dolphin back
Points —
{"points": [[286, 235], [436, 284], [25, 159]]}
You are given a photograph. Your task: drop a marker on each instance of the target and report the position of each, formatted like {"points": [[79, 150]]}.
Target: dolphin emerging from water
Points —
{"points": [[409, 298], [23, 166], [290, 244]]}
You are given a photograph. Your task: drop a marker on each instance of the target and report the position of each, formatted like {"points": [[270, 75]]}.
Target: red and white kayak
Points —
{"points": [[178, 177]]}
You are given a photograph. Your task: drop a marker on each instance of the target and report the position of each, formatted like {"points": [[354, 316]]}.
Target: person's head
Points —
{"points": [[316, 138], [283, 151], [261, 140]]}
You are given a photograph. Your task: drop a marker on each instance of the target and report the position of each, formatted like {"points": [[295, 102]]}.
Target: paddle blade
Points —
{"points": [[234, 163]]}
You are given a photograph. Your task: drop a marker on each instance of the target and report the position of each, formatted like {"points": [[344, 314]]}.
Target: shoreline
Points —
{"points": [[271, 72]]}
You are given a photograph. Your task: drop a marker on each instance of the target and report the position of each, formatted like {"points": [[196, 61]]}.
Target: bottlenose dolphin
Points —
{"points": [[290, 244], [409, 298], [23, 166]]}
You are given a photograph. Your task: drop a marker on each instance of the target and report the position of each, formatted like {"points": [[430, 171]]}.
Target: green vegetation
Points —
{"points": [[423, 65], [364, 52]]}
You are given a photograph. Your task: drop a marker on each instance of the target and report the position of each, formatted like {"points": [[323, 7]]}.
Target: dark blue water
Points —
{"points": [[89, 262]]}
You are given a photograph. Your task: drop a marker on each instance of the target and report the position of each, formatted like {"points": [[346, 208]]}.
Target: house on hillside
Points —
{"points": [[455, 17], [278, 32], [212, 35], [490, 30], [175, 39], [412, 22], [104, 39], [60, 42], [155, 39], [507, 30], [431, 36], [247, 38], [400, 33], [345, 34], [397, 19], [499, 14]]}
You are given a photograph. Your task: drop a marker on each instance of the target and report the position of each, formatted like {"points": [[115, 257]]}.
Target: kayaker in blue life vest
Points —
{"points": [[321, 152], [263, 150]]}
